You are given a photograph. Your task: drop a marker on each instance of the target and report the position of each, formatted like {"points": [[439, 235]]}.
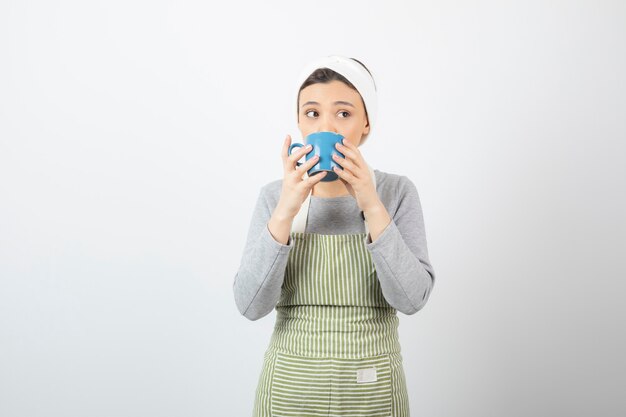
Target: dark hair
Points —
{"points": [[326, 75]]}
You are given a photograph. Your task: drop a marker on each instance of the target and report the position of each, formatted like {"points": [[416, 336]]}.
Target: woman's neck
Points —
{"points": [[330, 189]]}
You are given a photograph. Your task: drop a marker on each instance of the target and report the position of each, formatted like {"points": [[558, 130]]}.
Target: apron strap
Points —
{"points": [[299, 222]]}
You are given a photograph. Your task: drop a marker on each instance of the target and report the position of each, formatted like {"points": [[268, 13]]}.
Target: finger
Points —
{"points": [[286, 144], [350, 152], [284, 153], [345, 174], [348, 186], [346, 163], [350, 145], [314, 179], [295, 156], [308, 164]]}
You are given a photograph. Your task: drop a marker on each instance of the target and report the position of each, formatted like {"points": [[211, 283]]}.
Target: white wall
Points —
{"points": [[135, 135]]}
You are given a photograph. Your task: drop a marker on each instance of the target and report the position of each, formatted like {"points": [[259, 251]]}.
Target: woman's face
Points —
{"points": [[332, 107]]}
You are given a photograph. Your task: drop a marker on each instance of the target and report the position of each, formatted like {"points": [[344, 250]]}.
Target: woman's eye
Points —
{"points": [[347, 114], [310, 111]]}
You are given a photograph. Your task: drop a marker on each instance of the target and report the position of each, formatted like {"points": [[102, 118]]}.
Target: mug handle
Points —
{"points": [[295, 145]]}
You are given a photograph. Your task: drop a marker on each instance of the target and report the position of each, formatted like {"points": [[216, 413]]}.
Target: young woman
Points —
{"points": [[337, 259]]}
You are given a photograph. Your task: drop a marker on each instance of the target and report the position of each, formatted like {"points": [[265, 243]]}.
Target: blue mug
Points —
{"points": [[323, 144]]}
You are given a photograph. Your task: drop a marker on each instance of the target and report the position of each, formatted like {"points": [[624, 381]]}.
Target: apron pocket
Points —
{"points": [[335, 386], [361, 386], [300, 384]]}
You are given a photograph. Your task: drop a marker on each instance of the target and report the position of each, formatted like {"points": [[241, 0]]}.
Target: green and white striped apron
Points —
{"points": [[335, 349]]}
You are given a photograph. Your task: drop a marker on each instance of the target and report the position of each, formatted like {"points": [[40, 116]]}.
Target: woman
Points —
{"points": [[337, 259]]}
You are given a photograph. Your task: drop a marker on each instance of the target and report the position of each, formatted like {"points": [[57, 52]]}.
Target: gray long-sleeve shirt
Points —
{"points": [[399, 254]]}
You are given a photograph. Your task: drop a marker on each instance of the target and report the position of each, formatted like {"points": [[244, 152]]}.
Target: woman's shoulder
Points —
{"points": [[393, 183], [270, 191], [273, 186], [396, 190]]}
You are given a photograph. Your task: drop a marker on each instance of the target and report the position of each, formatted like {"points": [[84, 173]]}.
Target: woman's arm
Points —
{"points": [[400, 254], [258, 281]]}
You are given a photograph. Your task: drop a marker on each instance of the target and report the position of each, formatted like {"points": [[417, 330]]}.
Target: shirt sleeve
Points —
{"points": [[257, 283], [400, 254]]}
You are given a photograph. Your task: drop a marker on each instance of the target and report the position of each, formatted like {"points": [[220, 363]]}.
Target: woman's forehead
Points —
{"points": [[328, 93]]}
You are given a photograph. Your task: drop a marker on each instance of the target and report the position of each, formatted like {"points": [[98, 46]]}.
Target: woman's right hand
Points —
{"points": [[296, 189]]}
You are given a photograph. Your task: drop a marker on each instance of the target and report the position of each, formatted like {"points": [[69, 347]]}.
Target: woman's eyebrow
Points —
{"points": [[345, 103]]}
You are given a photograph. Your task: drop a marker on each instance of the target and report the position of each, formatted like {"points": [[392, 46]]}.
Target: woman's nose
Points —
{"points": [[326, 125]]}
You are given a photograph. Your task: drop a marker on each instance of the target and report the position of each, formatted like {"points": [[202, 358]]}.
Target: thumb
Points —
{"points": [[348, 186]]}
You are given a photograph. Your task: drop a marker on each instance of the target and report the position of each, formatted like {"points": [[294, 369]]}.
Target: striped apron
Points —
{"points": [[334, 350]]}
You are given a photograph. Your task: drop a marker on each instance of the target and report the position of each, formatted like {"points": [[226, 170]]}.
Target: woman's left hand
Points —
{"points": [[356, 175]]}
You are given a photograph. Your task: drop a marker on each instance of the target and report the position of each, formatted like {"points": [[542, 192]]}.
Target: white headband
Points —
{"points": [[353, 72]]}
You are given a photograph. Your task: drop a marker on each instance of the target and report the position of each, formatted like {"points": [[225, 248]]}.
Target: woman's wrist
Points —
{"points": [[279, 225], [281, 214], [377, 219]]}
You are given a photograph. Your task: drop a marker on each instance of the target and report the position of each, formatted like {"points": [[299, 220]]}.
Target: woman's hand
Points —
{"points": [[295, 189], [356, 176]]}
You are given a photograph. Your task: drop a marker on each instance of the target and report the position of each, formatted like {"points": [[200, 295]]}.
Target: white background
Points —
{"points": [[135, 136]]}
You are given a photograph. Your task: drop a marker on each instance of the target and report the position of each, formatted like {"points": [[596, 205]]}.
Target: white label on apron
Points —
{"points": [[366, 375]]}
